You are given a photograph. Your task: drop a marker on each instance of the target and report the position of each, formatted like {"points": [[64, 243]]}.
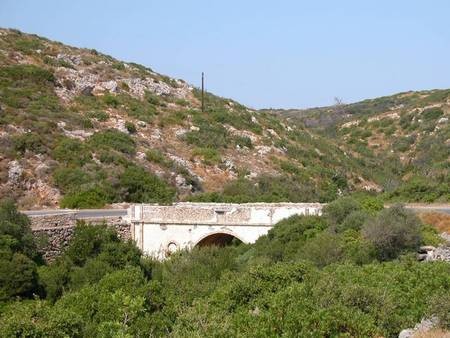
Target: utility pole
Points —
{"points": [[203, 92]]}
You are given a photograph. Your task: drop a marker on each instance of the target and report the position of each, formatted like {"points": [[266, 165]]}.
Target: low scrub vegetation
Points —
{"points": [[309, 276]]}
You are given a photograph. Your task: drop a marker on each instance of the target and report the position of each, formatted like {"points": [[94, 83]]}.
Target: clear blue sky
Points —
{"points": [[261, 53]]}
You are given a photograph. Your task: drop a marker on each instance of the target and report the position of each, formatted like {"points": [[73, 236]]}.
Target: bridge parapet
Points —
{"points": [[220, 213]]}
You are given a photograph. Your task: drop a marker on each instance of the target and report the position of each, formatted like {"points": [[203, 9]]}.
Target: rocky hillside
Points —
{"points": [[81, 129], [408, 132]]}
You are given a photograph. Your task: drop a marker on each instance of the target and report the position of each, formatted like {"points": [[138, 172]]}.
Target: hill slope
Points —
{"points": [[408, 132], [81, 129]]}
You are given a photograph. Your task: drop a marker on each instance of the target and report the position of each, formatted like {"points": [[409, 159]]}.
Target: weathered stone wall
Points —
{"points": [[55, 231], [66, 219]]}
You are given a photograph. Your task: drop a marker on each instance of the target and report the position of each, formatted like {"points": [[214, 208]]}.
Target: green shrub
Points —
{"points": [[111, 100], [432, 114], [370, 204], [430, 236], [439, 306], [57, 62], [110, 156], [182, 102], [68, 179], [55, 278], [152, 99], [209, 136], [118, 66], [157, 156], [98, 115], [96, 197], [20, 74], [71, 151], [18, 254], [28, 45], [243, 141], [173, 118], [86, 123], [210, 156], [336, 211], [32, 142], [89, 241], [393, 231], [323, 249], [354, 221], [419, 189], [290, 167], [402, 144], [285, 240], [139, 186], [114, 139], [130, 127]]}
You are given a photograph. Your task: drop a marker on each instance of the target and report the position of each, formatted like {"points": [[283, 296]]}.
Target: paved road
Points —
{"points": [[430, 208], [79, 214], [92, 213]]}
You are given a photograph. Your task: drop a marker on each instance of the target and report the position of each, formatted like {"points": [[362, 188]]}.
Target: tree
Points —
{"points": [[336, 211], [18, 254], [393, 231]]}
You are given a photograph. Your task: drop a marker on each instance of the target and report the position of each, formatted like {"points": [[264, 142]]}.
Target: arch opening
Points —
{"points": [[218, 239]]}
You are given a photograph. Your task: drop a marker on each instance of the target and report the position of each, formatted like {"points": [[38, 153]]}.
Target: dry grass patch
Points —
{"points": [[436, 333], [439, 220]]}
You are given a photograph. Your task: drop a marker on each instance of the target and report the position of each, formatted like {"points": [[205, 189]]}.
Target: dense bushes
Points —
{"points": [[32, 142], [208, 136], [71, 151], [263, 189], [113, 139], [18, 254], [93, 190], [137, 185], [393, 231], [305, 278], [419, 189], [95, 197]]}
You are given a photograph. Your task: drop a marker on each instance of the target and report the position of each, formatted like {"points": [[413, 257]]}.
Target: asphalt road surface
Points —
{"points": [[99, 213], [430, 208], [79, 214]]}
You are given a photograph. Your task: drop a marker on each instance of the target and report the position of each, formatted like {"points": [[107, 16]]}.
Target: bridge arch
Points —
{"points": [[218, 238]]}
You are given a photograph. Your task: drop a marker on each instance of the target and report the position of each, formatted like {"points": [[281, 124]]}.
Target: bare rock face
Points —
{"points": [[73, 60], [138, 87], [73, 82], [78, 134], [44, 192], [106, 86], [182, 184], [15, 172], [120, 126], [263, 150], [430, 253], [424, 326]]}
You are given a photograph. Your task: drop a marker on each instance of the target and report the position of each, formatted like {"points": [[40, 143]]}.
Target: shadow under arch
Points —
{"points": [[217, 238]]}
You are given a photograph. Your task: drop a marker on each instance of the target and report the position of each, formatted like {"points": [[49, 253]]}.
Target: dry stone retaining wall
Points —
{"points": [[56, 230]]}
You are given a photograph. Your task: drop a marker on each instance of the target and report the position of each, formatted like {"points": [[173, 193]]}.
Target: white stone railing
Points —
{"points": [[259, 214]]}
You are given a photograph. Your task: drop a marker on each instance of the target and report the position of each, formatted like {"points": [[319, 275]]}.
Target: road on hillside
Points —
{"points": [[99, 213], [430, 208], [79, 214]]}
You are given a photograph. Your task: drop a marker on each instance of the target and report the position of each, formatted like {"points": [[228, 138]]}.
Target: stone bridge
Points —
{"points": [[160, 230]]}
